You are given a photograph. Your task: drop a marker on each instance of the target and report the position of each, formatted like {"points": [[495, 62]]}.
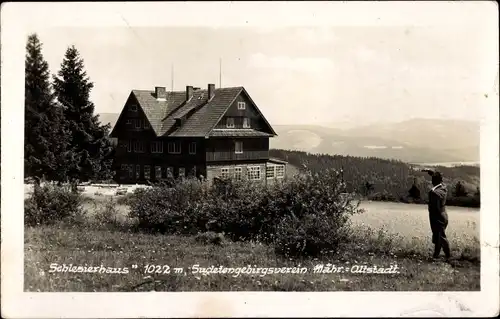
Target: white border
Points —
{"points": [[18, 19]]}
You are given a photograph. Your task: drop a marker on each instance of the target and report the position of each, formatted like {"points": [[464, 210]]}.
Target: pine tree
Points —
{"points": [[89, 143], [414, 192], [46, 140], [460, 190]]}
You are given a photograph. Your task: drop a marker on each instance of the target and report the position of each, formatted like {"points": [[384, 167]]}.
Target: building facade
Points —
{"points": [[212, 133]]}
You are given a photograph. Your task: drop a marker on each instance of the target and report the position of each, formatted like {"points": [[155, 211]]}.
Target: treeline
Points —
{"points": [[64, 140], [389, 180]]}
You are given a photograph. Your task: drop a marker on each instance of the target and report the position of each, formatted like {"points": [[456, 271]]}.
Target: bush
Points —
{"points": [[125, 199], [238, 209], [171, 210], [51, 203], [210, 237], [383, 196], [107, 216], [307, 210], [317, 213], [464, 201]]}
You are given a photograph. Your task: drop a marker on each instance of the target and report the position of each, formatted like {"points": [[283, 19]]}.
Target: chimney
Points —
{"points": [[211, 91], [189, 92], [161, 93]]}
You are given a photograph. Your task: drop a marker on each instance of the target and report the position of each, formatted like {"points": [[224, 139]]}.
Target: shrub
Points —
{"points": [[174, 210], [383, 196], [464, 201], [125, 199], [107, 215], [308, 210], [238, 209], [210, 237], [51, 203], [317, 213]]}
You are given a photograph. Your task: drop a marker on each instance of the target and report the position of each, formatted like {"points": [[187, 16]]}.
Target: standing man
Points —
{"points": [[437, 214]]}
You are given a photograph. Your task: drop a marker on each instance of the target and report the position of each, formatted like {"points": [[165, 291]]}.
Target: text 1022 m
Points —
{"points": [[157, 269]]}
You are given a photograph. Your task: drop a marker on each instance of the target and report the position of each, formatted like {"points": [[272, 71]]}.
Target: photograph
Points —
{"points": [[247, 157]]}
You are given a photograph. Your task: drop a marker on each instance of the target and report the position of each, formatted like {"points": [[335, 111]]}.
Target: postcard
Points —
{"points": [[249, 159]]}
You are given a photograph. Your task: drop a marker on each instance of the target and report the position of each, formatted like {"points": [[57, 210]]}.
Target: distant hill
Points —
{"points": [[412, 141]]}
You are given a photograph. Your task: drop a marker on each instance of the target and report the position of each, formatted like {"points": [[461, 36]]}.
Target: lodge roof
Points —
{"points": [[196, 117]]}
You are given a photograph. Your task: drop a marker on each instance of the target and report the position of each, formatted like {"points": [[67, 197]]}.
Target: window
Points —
{"points": [[147, 172], [174, 147], [192, 172], [133, 107], [138, 123], [129, 121], [238, 147], [182, 172], [270, 171], [131, 171], [192, 148], [146, 124], [137, 171], [158, 172], [129, 146], [138, 147], [123, 143], [246, 122], [124, 169], [224, 172], [170, 172], [280, 171], [241, 105], [254, 173], [157, 147], [230, 122], [238, 173]]}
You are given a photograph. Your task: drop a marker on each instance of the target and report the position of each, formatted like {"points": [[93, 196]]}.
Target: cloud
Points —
{"points": [[304, 64]]}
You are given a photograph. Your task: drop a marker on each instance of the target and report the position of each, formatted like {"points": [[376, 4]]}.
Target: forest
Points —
{"points": [[390, 180]]}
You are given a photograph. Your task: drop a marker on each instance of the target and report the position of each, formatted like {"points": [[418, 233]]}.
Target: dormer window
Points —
{"points": [[133, 107], [241, 105], [230, 122], [138, 124]]}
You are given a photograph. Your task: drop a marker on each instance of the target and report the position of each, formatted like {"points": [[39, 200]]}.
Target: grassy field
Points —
{"points": [[387, 234], [411, 223]]}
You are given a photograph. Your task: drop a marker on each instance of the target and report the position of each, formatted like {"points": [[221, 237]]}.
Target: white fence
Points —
{"points": [[101, 189]]}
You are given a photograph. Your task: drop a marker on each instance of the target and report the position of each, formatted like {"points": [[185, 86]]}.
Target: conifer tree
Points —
{"points": [[459, 190], [89, 143], [45, 152]]}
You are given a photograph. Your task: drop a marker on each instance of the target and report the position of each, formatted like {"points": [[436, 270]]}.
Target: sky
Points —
{"points": [[356, 74]]}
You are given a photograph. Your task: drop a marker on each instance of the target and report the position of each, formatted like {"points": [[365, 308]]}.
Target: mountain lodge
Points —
{"points": [[212, 133]]}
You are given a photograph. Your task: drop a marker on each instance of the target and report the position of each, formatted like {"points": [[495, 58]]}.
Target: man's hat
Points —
{"points": [[437, 177], [434, 174]]}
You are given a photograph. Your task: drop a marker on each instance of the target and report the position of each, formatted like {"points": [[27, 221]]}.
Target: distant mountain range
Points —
{"points": [[414, 141]]}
